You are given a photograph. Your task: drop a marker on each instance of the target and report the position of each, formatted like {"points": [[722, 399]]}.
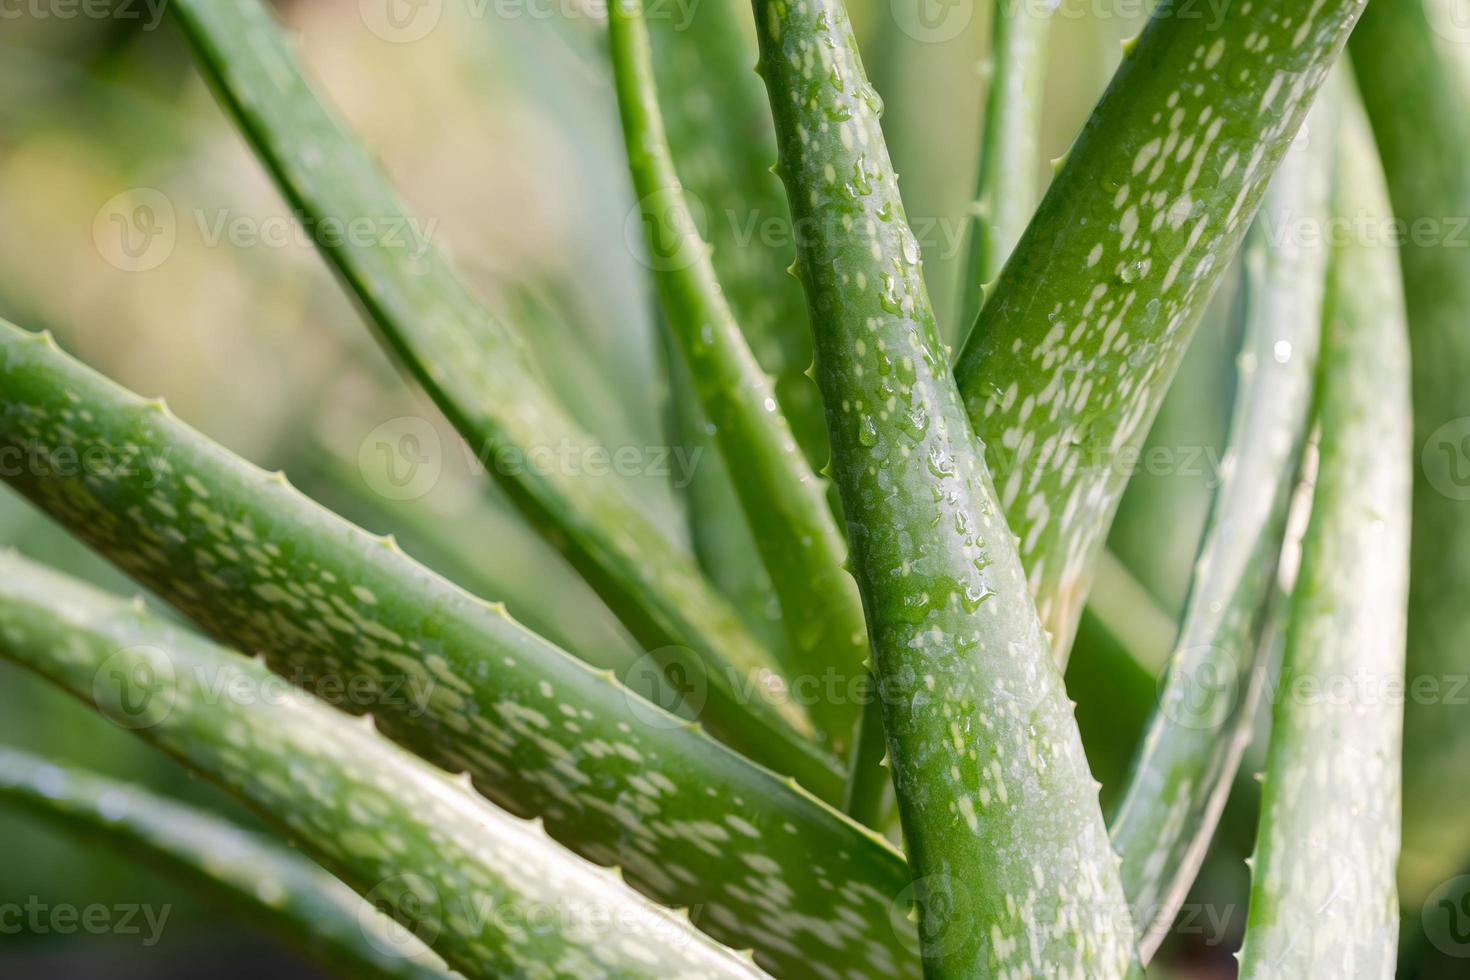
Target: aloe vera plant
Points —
{"points": [[244, 872], [825, 654], [1348, 623], [1190, 753], [1420, 122]]}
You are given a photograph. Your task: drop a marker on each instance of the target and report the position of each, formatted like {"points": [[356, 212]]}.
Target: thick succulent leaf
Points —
{"points": [[480, 375], [617, 779], [1323, 902], [1075, 347], [1207, 703], [719, 126], [244, 874], [785, 503], [1012, 870], [422, 847], [718, 531], [1005, 184], [1416, 85]]}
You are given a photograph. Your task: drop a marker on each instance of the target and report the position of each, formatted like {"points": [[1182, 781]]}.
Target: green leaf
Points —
{"points": [[419, 845], [1075, 347], [1323, 902], [1206, 709], [451, 677], [784, 502], [1416, 85], [721, 538], [1012, 870], [1005, 184], [247, 875], [719, 127], [480, 375]]}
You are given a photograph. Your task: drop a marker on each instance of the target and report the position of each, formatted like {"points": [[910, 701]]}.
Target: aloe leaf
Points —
{"points": [[718, 532], [479, 373], [1411, 59], [1204, 718], [422, 847], [785, 503], [451, 677], [1005, 184], [1323, 902], [1012, 870], [1083, 331], [719, 128], [251, 877]]}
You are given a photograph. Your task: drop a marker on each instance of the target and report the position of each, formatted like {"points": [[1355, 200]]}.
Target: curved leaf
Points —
{"points": [[1005, 184], [478, 372], [785, 503], [1012, 870], [467, 878], [1075, 347], [719, 128], [1416, 85], [1206, 710], [451, 677], [250, 877], [1323, 902]]}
